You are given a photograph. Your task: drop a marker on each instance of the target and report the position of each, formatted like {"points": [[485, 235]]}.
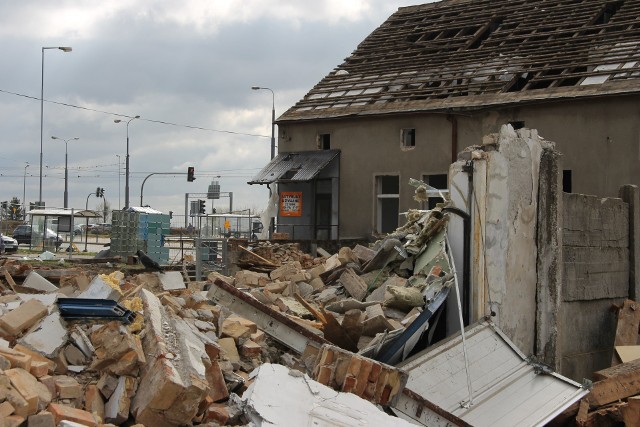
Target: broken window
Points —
{"points": [[438, 181], [388, 203], [408, 138], [607, 12], [324, 141], [518, 124]]}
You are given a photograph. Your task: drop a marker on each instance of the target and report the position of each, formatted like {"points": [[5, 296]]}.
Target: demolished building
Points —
{"points": [[483, 294]]}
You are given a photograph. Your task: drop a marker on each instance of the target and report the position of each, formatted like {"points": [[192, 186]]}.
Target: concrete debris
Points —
{"points": [[307, 402], [39, 283], [288, 321]]}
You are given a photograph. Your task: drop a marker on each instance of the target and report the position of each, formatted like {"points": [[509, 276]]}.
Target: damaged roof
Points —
{"points": [[300, 166], [477, 53]]}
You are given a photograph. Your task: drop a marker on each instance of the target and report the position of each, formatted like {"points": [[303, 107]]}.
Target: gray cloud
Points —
{"points": [[188, 63]]}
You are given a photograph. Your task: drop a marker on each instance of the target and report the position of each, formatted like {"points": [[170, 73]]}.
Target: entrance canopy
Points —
{"points": [[301, 166], [84, 213]]}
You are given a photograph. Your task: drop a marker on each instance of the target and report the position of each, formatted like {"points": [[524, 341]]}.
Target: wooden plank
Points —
{"points": [[264, 260], [631, 412], [615, 383], [9, 279], [628, 323], [627, 327]]}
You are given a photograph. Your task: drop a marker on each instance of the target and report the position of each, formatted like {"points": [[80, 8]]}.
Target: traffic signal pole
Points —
{"points": [[157, 173]]}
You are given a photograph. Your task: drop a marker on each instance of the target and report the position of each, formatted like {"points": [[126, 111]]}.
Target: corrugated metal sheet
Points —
{"points": [[295, 167], [507, 390]]}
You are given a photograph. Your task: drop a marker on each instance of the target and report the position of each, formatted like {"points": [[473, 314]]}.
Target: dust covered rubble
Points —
{"points": [[187, 361]]}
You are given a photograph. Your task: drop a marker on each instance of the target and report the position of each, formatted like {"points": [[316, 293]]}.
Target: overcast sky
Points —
{"points": [[186, 67]]}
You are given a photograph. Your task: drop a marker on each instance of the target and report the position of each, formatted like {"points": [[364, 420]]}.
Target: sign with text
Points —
{"points": [[291, 203]]}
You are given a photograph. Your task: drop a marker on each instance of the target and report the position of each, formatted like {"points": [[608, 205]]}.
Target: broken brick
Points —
{"points": [[17, 358], [93, 401], [67, 387], [64, 412], [42, 419]]}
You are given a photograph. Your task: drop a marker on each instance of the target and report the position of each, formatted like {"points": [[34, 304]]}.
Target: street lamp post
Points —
{"points": [[118, 156], [126, 173], [64, 49], [24, 191], [273, 118], [66, 168]]}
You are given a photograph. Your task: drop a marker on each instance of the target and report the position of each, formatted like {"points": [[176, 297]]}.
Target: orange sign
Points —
{"points": [[291, 203]]}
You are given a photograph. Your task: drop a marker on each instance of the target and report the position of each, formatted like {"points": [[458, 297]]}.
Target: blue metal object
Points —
{"points": [[87, 308], [394, 352]]}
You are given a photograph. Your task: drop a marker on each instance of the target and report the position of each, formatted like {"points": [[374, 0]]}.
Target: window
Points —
{"points": [[566, 181], [324, 141], [408, 138], [388, 202], [440, 182]]}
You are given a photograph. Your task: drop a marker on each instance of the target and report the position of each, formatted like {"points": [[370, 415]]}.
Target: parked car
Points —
{"points": [[9, 244], [101, 228], [78, 229], [22, 234]]}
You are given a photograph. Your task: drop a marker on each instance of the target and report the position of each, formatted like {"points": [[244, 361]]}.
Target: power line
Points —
{"points": [[141, 118]]}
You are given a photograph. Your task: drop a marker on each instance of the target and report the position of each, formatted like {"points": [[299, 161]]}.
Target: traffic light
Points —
{"points": [[201, 206], [190, 173], [99, 192]]}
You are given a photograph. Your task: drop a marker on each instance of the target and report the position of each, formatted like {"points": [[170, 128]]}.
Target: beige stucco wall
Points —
{"points": [[599, 139]]}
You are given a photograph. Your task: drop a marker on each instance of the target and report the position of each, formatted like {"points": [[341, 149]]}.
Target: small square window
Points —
{"points": [[324, 141], [408, 138]]}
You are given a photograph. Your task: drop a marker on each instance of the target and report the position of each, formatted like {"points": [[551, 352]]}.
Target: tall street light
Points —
{"points": [[273, 118], [66, 169], [64, 49], [118, 156], [24, 191], [126, 180]]}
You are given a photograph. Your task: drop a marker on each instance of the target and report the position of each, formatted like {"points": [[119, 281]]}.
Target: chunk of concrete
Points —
{"points": [[116, 410], [100, 289], [23, 317], [47, 299], [354, 285], [48, 338], [117, 350], [39, 283], [307, 402], [403, 298], [171, 280], [171, 388]]}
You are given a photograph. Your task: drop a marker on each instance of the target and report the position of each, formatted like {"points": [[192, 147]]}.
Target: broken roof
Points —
{"points": [[300, 166], [475, 53]]}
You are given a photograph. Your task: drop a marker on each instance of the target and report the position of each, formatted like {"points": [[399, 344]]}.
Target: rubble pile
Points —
{"points": [[106, 348], [109, 349], [269, 255]]}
